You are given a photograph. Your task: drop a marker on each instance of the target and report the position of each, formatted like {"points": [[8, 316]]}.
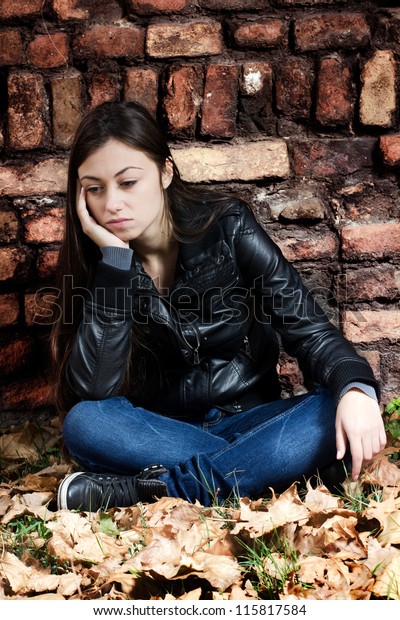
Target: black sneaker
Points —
{"points": [[91, 492]]}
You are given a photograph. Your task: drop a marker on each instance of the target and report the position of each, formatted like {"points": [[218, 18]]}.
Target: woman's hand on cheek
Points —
{"points": [[359, 421], [97, 233]]}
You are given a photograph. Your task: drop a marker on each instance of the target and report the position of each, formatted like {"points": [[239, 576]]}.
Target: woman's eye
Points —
{"points": [[128, 183], [94, 189]]}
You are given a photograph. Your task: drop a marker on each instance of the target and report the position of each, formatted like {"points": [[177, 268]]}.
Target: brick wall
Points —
{"points": [[291, 104]]}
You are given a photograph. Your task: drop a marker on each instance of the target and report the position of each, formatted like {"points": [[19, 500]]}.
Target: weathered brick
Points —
{"points": [[11, 47], [18, 8], [374, 359], [319, 158], [232, 5], [371, 325], [15, 355], [378, 92], [47, 263], [150, 7], [194, 38], [390, 148], [44, 228], [290, 376], [331, 30], [67, 106], [9, 309], [261, 34], [50, 50], [141, 85], [368, 283], [70, 9], [298, 245], [13, 263], [103, 87], [184, 93], [8, 227], [296, 204], [46, 177], [86, 9], [256, 77], [243, 161], [311, 3], [294, 80], [335, 93], [219, 102], [367, 202], [42, 308], [111, 41], [370, 240], [30, 393], [27, 100]]}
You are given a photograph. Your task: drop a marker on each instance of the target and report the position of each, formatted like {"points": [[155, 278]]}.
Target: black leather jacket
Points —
{"points": [[213, 340]]}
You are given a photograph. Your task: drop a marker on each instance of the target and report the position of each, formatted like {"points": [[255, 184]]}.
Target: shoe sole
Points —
{"points": [[63, 489]]}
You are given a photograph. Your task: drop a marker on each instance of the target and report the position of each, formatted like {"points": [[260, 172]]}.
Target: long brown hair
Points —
{"points": [[190, 211]]}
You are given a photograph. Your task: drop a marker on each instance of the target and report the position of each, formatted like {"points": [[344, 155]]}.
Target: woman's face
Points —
{"points": [[124, 191]]}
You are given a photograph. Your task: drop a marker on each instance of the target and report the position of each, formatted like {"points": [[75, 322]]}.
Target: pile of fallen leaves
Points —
{"points": [[305, 543]]}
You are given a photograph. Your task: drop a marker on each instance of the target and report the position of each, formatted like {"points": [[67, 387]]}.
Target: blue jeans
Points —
{"points": [[271, 445]]}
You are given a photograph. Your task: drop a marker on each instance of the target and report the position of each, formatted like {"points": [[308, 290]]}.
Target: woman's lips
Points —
{"points": [[118, 223]]}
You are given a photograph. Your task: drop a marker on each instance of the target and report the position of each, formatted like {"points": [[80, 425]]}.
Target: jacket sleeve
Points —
{"points": [[323, 353], [101, 350]]}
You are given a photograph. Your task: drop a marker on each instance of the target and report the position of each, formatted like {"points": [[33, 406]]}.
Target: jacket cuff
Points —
{"points": [[351, 371], [113, 287], [364, 387], [117, 257]]}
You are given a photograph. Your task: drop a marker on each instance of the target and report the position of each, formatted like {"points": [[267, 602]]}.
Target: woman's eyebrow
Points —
{"points": [[87, 176]]}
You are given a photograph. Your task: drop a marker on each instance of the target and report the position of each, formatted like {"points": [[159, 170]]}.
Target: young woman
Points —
{"points": [[166, 351]]}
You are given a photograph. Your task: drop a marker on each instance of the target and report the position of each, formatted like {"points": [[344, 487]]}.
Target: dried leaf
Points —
{"points": [[387, 584], [29, 503], [15, 572]]}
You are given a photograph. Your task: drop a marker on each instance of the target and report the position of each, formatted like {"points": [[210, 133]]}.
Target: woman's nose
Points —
{"points": [[113, 201]]}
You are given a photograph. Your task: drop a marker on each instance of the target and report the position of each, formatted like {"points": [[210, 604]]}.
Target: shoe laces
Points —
{"points": [[114, 491]]}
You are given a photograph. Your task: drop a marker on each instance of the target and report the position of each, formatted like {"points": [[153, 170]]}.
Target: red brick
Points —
{"points": [[298, 245], [262, 34], [18, 8], [374, 360], [194, 38], [67, 106], [47, 263], [46, 177], [86, 9], [27, 100], [220, 101], [111, 40], [290, 375], [29, 393], [335, 93], [294, 81], [42, 308], [319, 159], [184, 93], [311, 3], [13, 263], [332, 30], [15, 355], [372, 325], [390, 148], [49, 50], [368, 283], [150, 7], [45, 228], [11, 47], [256, 78], [8, 227], [371, 240], [103, 87], [378, 92], [141, 85], [9, 309], [232, 5], [70, 9]]}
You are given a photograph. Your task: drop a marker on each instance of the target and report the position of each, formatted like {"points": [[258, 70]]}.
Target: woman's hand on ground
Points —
{"points": [[359, 422], [97, 233]]}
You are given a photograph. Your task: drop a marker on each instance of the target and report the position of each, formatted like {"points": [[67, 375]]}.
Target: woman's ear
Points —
{"points": [[167, 173]]}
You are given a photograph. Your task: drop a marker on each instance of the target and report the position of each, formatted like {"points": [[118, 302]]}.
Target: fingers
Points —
{"points": [[357, 457], [340, 442]]}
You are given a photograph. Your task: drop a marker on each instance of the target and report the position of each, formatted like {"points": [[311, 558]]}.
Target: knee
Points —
{"points": [[79, 420]]}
